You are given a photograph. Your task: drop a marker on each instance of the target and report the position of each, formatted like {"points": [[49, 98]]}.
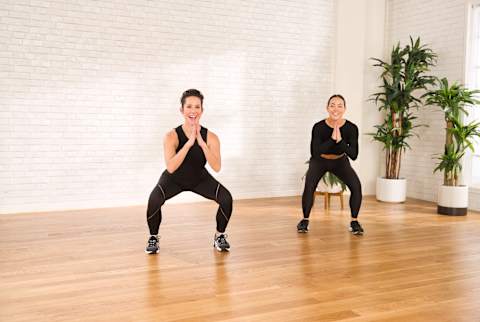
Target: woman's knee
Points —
{"points": [[309, 189], [157, 196], [356, 190], [225, 198]]}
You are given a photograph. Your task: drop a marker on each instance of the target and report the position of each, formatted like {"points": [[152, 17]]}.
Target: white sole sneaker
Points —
{"points": [[221, 249], [355, 233]]}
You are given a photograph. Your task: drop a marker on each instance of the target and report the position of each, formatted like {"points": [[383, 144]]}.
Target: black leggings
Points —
{"points": [[343, 170], [208, 187]]}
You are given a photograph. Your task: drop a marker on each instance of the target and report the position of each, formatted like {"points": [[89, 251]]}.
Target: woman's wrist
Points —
{"points": [[203, 145]]}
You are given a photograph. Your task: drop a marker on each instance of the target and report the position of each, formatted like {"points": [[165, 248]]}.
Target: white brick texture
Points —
{"points": [[89, 88]]}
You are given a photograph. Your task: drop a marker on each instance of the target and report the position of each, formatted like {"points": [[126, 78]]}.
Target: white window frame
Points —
{"points": [[473, 49]]}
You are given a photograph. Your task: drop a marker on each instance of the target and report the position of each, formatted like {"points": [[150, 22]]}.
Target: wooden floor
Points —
{"points": [[412, 265]]}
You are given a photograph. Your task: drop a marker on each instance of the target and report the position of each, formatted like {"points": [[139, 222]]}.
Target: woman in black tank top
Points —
{"points": [[334, 140], [187, 149]]}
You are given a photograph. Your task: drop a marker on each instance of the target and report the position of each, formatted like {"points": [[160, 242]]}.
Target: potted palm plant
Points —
{"points": [[331, 183], [402, 78], [452, 100]]}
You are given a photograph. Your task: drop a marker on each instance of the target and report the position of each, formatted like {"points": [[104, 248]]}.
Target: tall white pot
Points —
{"points": [[452, 200], [391, 190]]}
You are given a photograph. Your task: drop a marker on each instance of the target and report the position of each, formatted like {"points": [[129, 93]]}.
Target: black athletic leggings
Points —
{"points": [[208, 187], [343, 170]]}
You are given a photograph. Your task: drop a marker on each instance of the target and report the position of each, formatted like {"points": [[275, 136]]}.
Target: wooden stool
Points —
{"points": [[327, 195]]}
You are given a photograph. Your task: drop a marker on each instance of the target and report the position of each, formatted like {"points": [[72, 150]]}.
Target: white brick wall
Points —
{"points": [[358, 40], [88, 89], [443, 26]]}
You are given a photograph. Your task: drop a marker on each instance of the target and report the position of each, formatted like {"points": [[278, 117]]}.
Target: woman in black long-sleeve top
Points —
{"points": [[334, 140]]}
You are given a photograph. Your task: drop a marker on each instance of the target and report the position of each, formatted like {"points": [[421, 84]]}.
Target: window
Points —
{"points": [[473, 82]]}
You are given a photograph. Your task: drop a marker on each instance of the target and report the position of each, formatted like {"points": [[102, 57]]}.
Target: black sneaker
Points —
{"points": [[302, 226], [355, 228], [220, 243], [152, 246]]}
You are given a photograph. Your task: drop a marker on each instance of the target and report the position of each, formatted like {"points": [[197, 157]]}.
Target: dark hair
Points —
{"points": [[191, 92], [339, 96]]}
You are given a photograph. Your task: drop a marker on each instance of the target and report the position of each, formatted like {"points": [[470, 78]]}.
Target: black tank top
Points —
{"points": [[192, 169]]}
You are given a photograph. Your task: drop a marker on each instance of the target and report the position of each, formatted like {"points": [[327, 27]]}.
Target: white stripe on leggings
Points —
{"points": [[158, 185], [220, 207], [223, 214], [216, 192], [163, 192], [153, 214]]}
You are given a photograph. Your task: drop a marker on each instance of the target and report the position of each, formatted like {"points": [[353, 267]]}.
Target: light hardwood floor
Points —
{"points": [[89, 265]]}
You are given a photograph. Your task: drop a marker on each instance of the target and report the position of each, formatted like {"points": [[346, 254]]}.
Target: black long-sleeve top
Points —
{"points": [[322, 142]]}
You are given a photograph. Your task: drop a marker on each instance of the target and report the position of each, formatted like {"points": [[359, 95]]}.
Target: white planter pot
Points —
{"points": [[452, 200], [323, 187], [391, 190]]}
